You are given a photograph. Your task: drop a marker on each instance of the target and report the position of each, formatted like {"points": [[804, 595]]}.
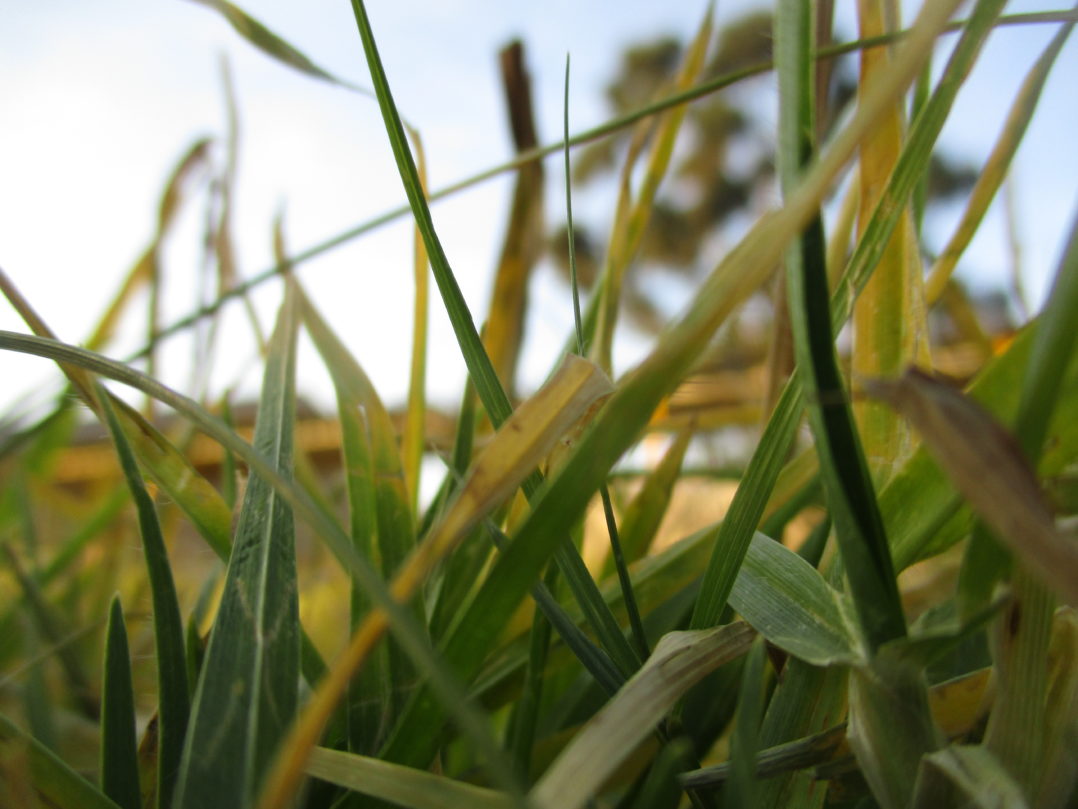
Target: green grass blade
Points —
{"points": [[381, 523], [735, 532], [415, 427], [172, 687], [679, 661], [788, 602], [119, 756], [844, 472], [402, 786], [967, 776], [53, 779], [480, 369], [271, 44], [247, 691], [646, 510], [746, 737]]}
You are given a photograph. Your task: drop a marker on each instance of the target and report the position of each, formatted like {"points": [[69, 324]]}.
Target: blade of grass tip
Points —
{"points": [[889, 318], [482, 373], [173, 696], [680, 660], [272, 45], [852, 501], [414, 438], [57, 782], [442, 683], [995, 168], [119, 757], [247, 691]]}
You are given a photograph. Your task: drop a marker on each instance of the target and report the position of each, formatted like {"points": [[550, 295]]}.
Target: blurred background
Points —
{"points": [[99, 102]]}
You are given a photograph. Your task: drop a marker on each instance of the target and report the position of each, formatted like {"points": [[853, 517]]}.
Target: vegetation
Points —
{"points": [[771, 655]]}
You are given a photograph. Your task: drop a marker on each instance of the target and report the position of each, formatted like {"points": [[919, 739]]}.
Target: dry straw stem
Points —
{"points": [[518, 447], [680, 660], [990, 470]]}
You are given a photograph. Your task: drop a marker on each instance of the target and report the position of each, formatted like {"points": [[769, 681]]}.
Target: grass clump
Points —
{"points": [[485, 662]]}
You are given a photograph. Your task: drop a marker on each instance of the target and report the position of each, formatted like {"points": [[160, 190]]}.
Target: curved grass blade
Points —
{"points": [[889, 319], [412, 637], [51, 777], [844, 472], [480, 369], [174, 701], [680, 660], [119, 756], [248, 687], [269, 43], [403, 786], [788, 602]]}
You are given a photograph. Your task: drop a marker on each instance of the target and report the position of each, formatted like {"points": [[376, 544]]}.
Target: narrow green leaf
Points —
{"points": [[269, 43], [54, 779], [381, 525], [119, 755], [174, 702], [746, 737], [679, 661], [480, 370], [844, 472], [248, 688], [645, 511], [403, 786], [788, 602]]}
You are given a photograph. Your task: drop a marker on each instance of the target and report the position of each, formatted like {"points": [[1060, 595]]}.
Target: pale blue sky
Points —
{"points": [[98, 100]]}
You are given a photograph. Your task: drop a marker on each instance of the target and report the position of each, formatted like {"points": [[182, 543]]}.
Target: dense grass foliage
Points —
{"points": [[882, 615]]}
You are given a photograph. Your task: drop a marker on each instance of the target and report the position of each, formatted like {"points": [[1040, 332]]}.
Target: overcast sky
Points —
{"points": [[98, 101]]}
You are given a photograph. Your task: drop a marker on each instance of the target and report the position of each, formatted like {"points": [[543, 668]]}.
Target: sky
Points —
{"points": [[99, 100]]}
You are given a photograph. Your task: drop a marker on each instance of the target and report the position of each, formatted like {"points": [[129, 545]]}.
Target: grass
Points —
{"points": [[486, 663]]}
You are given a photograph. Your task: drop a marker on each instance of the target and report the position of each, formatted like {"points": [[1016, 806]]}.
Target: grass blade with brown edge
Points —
{"points": [[413, 440], [680, 660], [247, 691], [174, 702], [119, 757], [54, 780], [381, 525], [889, 319]]}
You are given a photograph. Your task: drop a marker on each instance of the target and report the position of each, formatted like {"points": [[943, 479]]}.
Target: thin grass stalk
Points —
{"points": [[995, 169], [414, 437]]}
